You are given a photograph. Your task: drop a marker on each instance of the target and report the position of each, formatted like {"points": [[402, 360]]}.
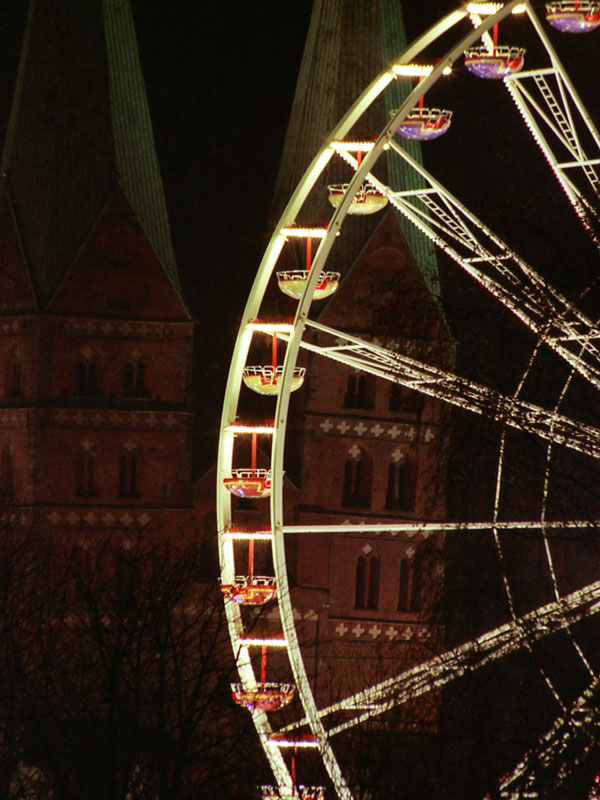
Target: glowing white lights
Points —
{"points": [[487, 9], [352, 146], [246, 535], [417, 70], [281, 741], [262, 641], [304, 232], [270, 327], [241, 427]]}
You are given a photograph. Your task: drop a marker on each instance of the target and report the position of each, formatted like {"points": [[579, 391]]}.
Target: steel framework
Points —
{"points": [[560, 124]]}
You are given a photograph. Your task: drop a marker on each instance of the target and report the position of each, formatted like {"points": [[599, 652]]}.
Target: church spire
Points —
{"points": [[79, 130]]}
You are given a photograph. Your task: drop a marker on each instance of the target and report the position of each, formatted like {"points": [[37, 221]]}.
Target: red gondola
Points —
{"points": [[250, 483], [293, 282], [251, 590], [267, 380], [368, 199], [425, 123], [265, 696]]}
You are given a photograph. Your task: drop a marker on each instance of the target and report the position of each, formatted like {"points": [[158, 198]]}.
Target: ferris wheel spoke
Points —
{"points": [[560, 750], [457, 391], [441, 670], [438, 527]]}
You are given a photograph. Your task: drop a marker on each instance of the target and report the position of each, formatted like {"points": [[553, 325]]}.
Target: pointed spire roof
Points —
{"points": [[347, 46], [79, 130]]}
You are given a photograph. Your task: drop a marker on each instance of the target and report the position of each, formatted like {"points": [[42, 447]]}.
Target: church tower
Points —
{"points": [[96, 345], [371, 451]]}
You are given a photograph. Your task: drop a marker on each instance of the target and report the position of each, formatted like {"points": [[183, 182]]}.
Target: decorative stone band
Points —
{"points": [[140, 420], [99, 518], [367, 429], [126, 329], [368, 630]]}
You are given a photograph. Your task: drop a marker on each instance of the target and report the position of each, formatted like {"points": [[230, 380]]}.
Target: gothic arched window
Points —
{"points": [[357, 479], [401, 491], [366, 584], [410, 583]]}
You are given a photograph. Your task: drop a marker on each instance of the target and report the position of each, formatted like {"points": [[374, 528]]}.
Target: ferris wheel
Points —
{"points": [[557, 119]]}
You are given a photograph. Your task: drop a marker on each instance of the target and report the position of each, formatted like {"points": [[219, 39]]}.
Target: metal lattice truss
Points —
{"points": [[567, 743], [481, 253], [559, 123], [384, 363], [437, 672]]}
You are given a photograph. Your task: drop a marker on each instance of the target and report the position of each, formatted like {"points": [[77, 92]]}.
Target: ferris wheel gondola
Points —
{"points": [[573, 16]]}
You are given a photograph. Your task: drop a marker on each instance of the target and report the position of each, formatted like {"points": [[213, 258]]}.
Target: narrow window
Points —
{"points": [[140, 379], [81, 566], [357, 480], [128, 380], [350, 397], [366, 585], [360, 582], [401, 491], [128, 475], [85, 474], [403, 595], [410, 584], [373, 593], [415, 589], [362, 400]]}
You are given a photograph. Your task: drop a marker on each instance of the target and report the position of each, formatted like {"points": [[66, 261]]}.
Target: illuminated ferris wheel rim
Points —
{"points": [[293, 334]]}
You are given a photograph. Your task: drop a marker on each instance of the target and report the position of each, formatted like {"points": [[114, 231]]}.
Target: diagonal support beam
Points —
{"points": [[491, 646], [527, 417], [565, 746]]}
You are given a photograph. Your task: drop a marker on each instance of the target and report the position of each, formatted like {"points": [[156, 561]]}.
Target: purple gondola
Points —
{"points": [[425, 123], [573, 16], [499, 63]]}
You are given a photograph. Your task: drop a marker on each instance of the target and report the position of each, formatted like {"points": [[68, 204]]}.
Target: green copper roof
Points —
{"points": [[80, 128]]}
